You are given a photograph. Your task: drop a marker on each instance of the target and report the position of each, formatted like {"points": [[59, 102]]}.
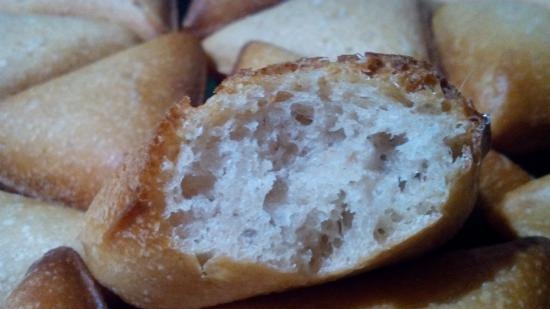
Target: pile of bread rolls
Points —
{"points": [[354, 154]]}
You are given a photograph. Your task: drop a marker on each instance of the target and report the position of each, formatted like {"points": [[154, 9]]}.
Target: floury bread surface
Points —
{"points": [[291, 175]]}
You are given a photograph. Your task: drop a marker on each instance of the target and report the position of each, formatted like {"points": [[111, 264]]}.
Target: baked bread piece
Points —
{"points": [[29, 228], [508, 276], [60, 140], [527, 208], [507, 74], [327, 28], [57, 45], [147, 18], [206, 16], [58, 280], [256, 55], [499, 175], [290, 175]]}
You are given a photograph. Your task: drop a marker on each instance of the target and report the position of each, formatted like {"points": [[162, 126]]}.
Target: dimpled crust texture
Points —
{"points": [[290, 175]]}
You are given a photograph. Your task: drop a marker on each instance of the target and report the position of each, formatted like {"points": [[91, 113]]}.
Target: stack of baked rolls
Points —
{"points": [[354, 154]]}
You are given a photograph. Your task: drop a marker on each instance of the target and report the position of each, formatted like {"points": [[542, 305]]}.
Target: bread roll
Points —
{"points": [[148, 18], [61, 139], [30, 228], [206, 16], [57, 45], [498, 53], [290, 175], [256, 55], [58, 280], [527, 208], [499, 175], [328, 28], [509, 276]]}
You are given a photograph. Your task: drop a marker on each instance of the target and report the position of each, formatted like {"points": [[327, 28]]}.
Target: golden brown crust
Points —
{"points": [[507, 75], [498, 176], [30, 228], [526, 209], [255, 55], [61, 139], [58, 45], [59, 280], [206, 16], [510, 276], [148, 18], [125, 232], [324, 28]]}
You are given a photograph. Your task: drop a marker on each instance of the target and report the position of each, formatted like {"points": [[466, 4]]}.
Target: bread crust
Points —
{"points": [[60, 140], [526, 209], [59, 280], [30, 228], [124, 230], [324, 28], [148, 18], [514, 274], [507, 75], [255, 55], [206, 16], [58, 44], [498, 176]]}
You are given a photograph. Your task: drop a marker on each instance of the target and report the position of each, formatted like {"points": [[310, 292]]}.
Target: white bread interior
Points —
{"points": [[316, 180]]}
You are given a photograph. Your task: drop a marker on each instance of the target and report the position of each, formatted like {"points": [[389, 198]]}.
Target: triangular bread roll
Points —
{"points": [[508, 276], [256, 55], [507, 74], [498, 176], [291, 175], [58, 280], [60, 140], [35, 48], [206, 16], [29, 228], [527, 208], [324, 28], [148, 18]]}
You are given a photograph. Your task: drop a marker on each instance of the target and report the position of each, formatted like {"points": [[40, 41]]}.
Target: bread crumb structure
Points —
{"points": [[292, 174], [312, 172]]}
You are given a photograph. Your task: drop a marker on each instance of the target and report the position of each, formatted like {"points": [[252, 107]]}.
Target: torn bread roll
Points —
{"points": [[527, 208], [206, 16], [29, 229], [60, 140], [508, 276], [256, 55], [147, 18], [288, 176], [326, 28], [35, 48], [498, 53], [57, 280]]}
